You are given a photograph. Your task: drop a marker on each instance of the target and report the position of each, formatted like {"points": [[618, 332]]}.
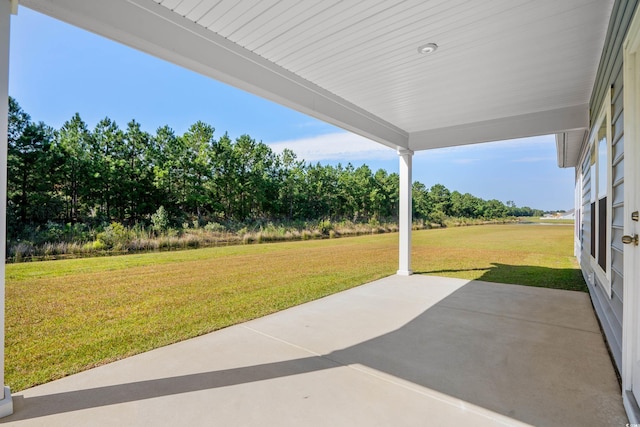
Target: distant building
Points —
{"points": [[571, 214]]}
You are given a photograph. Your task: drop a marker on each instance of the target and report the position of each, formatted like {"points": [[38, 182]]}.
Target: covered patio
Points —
{"points": [[417, 350], [405, 350]]}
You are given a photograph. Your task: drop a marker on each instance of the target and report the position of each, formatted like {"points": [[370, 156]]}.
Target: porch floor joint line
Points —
{"points": [[354, 366], [284, 341]]}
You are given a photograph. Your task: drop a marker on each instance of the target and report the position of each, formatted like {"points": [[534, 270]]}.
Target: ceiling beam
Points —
{"points": [[527, 125], [154, 29]]}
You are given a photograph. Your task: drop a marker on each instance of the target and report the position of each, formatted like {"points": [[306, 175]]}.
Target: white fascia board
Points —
{"points": [[561, 148], [534, 124], [569, 146], [154, 29]]}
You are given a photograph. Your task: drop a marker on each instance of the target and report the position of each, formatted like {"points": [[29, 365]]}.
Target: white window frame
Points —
{"points": [[604, 116]]}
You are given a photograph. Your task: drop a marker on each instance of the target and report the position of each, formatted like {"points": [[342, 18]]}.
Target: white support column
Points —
{"points": [[6, 7], [405, 218]]}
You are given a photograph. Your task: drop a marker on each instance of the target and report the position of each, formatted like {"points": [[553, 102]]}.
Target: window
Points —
{"points": [[600, 212]]}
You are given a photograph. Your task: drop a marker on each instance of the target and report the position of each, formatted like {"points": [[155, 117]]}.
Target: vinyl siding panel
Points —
{"points": [[617, 285], [618, 195], [610, 317], [618, 149], [610, 76], [616, 308], [618, 217], [618, 172], [616, 267], [611, 60], [617, 210]]}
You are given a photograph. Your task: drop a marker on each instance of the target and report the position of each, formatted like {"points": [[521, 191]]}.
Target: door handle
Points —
{"points": [[630, 239]]}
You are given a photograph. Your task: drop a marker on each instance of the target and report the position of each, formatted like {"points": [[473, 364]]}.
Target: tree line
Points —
{"points": [[94, 177]]}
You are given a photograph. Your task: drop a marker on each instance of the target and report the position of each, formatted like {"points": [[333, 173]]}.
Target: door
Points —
{"points": [[632, 230], [631, 317]]}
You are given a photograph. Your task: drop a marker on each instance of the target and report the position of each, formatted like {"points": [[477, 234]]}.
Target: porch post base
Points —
{"points": [[404, 272], [6, 404]]}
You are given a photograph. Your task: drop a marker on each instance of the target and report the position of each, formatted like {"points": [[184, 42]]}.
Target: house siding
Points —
{"points": [[609, 76]]}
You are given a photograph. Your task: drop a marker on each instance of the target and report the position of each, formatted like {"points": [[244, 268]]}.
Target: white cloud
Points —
{"points": [[342, 146]]}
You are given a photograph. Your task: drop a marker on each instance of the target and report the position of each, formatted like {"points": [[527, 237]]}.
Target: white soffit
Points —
{"points": [[504, 68]]}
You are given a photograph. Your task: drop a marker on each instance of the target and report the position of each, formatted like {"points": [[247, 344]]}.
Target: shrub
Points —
{"points": [[114, 235], [160, 220], [325, 226], [437, 217], [214, 227], [76, 232], [374, 223], [96, 245], [53, 232]]}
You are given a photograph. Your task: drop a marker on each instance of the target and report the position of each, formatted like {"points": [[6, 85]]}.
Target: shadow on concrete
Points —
{"points": [[40, 406], [521, 352], [527, 275]]}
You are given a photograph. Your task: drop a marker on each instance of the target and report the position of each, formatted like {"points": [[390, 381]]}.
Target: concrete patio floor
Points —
{"points": [[411, 351]]}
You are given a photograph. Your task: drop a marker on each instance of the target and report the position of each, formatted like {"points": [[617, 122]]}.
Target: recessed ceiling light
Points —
{"points": [[428, 48]]}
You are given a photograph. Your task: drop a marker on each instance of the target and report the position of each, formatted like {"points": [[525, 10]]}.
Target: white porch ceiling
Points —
{"points": [[504, 68]]}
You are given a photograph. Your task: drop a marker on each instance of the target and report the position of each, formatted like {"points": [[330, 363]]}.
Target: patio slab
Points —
{"points": [[417, 350]]}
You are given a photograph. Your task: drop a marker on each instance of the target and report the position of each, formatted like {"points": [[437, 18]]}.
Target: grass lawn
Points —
{"points": [[534, 255], [66, 316]]}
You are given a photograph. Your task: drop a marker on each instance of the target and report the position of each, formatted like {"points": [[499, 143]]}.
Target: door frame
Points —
{"points": [[631, 307]]}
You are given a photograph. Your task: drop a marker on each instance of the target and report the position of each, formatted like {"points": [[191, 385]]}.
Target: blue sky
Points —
{"points": [[57, 70]]}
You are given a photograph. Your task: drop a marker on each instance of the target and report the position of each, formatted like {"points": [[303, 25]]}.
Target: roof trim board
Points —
{"points": [[569, 145], [522, 126]]}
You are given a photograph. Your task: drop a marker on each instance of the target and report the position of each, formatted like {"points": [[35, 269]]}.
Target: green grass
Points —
{"points": [[533, 255], [66, 316]]}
